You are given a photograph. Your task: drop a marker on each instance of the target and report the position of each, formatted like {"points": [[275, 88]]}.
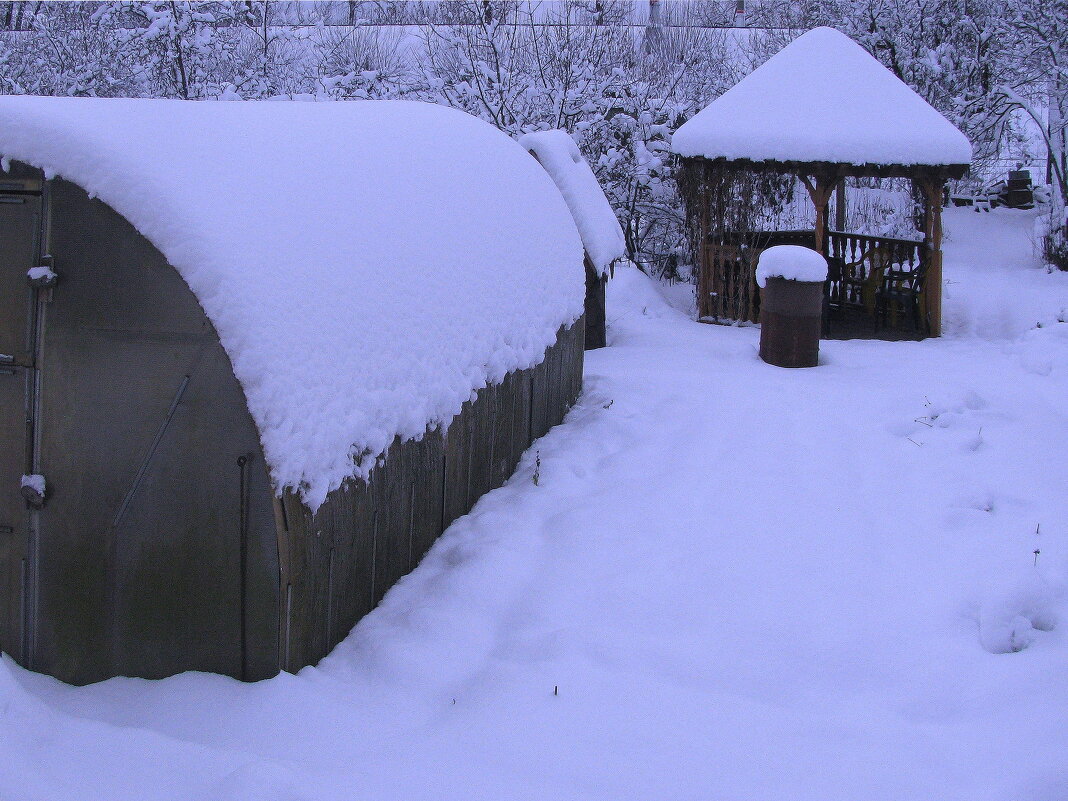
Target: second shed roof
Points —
{"points": [[597, 225]]}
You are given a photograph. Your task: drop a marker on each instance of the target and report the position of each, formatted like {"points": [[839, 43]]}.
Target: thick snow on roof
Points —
{"points": [[368, 265], [597, 224], [823, 98]]}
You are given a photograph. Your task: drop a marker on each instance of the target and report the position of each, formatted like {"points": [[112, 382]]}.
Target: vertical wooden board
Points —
{"points": [[428, 493], [262, 571], [520, 415], [391, 484], [284, 589], [555, 392], [309, 578], [321, 540], [504, 446], [562, 382], [456, 501], [480, 461], [292, 596], [565, 346], [296, 600], [593, 318], [577, 361], [353, 565], [539, 399]]}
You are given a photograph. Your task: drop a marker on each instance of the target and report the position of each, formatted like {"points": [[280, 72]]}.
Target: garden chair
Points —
{"points": [[901, 289], [863, 284]]}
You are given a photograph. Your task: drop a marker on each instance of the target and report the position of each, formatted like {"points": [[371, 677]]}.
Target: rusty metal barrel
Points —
{"points": [[791, 305]]}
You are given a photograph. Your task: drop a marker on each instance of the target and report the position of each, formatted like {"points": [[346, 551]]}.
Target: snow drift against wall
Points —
{"points": [[368, 265], [823, 98], [597, 224]]}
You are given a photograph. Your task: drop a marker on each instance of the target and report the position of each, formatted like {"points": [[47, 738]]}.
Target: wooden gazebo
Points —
{"points": [[821, 110]]}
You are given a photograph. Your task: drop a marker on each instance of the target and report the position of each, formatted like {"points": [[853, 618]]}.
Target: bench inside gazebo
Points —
{"points": [[822, 110]]}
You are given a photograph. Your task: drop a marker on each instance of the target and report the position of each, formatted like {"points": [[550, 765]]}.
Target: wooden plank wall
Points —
{"points": [[338, 563]]}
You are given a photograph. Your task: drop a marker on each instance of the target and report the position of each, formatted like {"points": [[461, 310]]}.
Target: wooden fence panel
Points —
{"points": [[480, 468], [391, 485], [521, 407], [341, 561], [456, 466], [539, 400], [557, 380], [305, 603], [428, 493], [353, 564]]}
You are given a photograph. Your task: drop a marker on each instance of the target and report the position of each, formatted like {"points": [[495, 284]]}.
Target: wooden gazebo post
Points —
{"points": [[931, 186], [820, 192], [705, 306]]}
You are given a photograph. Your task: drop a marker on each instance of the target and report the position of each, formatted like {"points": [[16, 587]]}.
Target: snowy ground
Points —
{"points": [[742, 582]]}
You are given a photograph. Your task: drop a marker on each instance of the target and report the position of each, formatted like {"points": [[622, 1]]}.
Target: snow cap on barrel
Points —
{"points": [[793, 262]]}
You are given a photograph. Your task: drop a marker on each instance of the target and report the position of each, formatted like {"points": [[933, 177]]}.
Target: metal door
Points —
{"points": [[154, 506], [20, 232]]}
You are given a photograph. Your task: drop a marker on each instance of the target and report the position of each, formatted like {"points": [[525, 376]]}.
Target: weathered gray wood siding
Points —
{"points": [[339, 562]]}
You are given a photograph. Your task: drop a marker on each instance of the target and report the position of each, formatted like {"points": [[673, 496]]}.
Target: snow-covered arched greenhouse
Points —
{"points": [[255, 358]]}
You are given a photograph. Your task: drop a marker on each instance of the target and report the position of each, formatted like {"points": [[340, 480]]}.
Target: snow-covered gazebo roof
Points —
{"points": [[824, 99], [367, 265], [597, 225]]}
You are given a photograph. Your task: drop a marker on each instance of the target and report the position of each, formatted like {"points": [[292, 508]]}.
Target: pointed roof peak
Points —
{"points": [[823, 98]]}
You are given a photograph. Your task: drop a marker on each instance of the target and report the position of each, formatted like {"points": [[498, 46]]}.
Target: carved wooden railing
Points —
{"points": [[726, 286], [858, 263], [726, 289]]}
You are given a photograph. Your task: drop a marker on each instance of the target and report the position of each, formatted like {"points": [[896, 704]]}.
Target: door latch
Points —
{"points": [[42, 276], [34, 490]]}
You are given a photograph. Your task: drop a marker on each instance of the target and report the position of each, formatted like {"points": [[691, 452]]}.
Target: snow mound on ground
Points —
{"points": [[15, 701], [1044, 349], [1013, 610], [633, 292], [368, 265], [8, 688], [793, 262], [601, 235], [823, 98]]}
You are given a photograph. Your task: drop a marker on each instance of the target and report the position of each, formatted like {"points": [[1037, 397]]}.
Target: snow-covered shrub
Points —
{"points": [[1055, 247]]}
